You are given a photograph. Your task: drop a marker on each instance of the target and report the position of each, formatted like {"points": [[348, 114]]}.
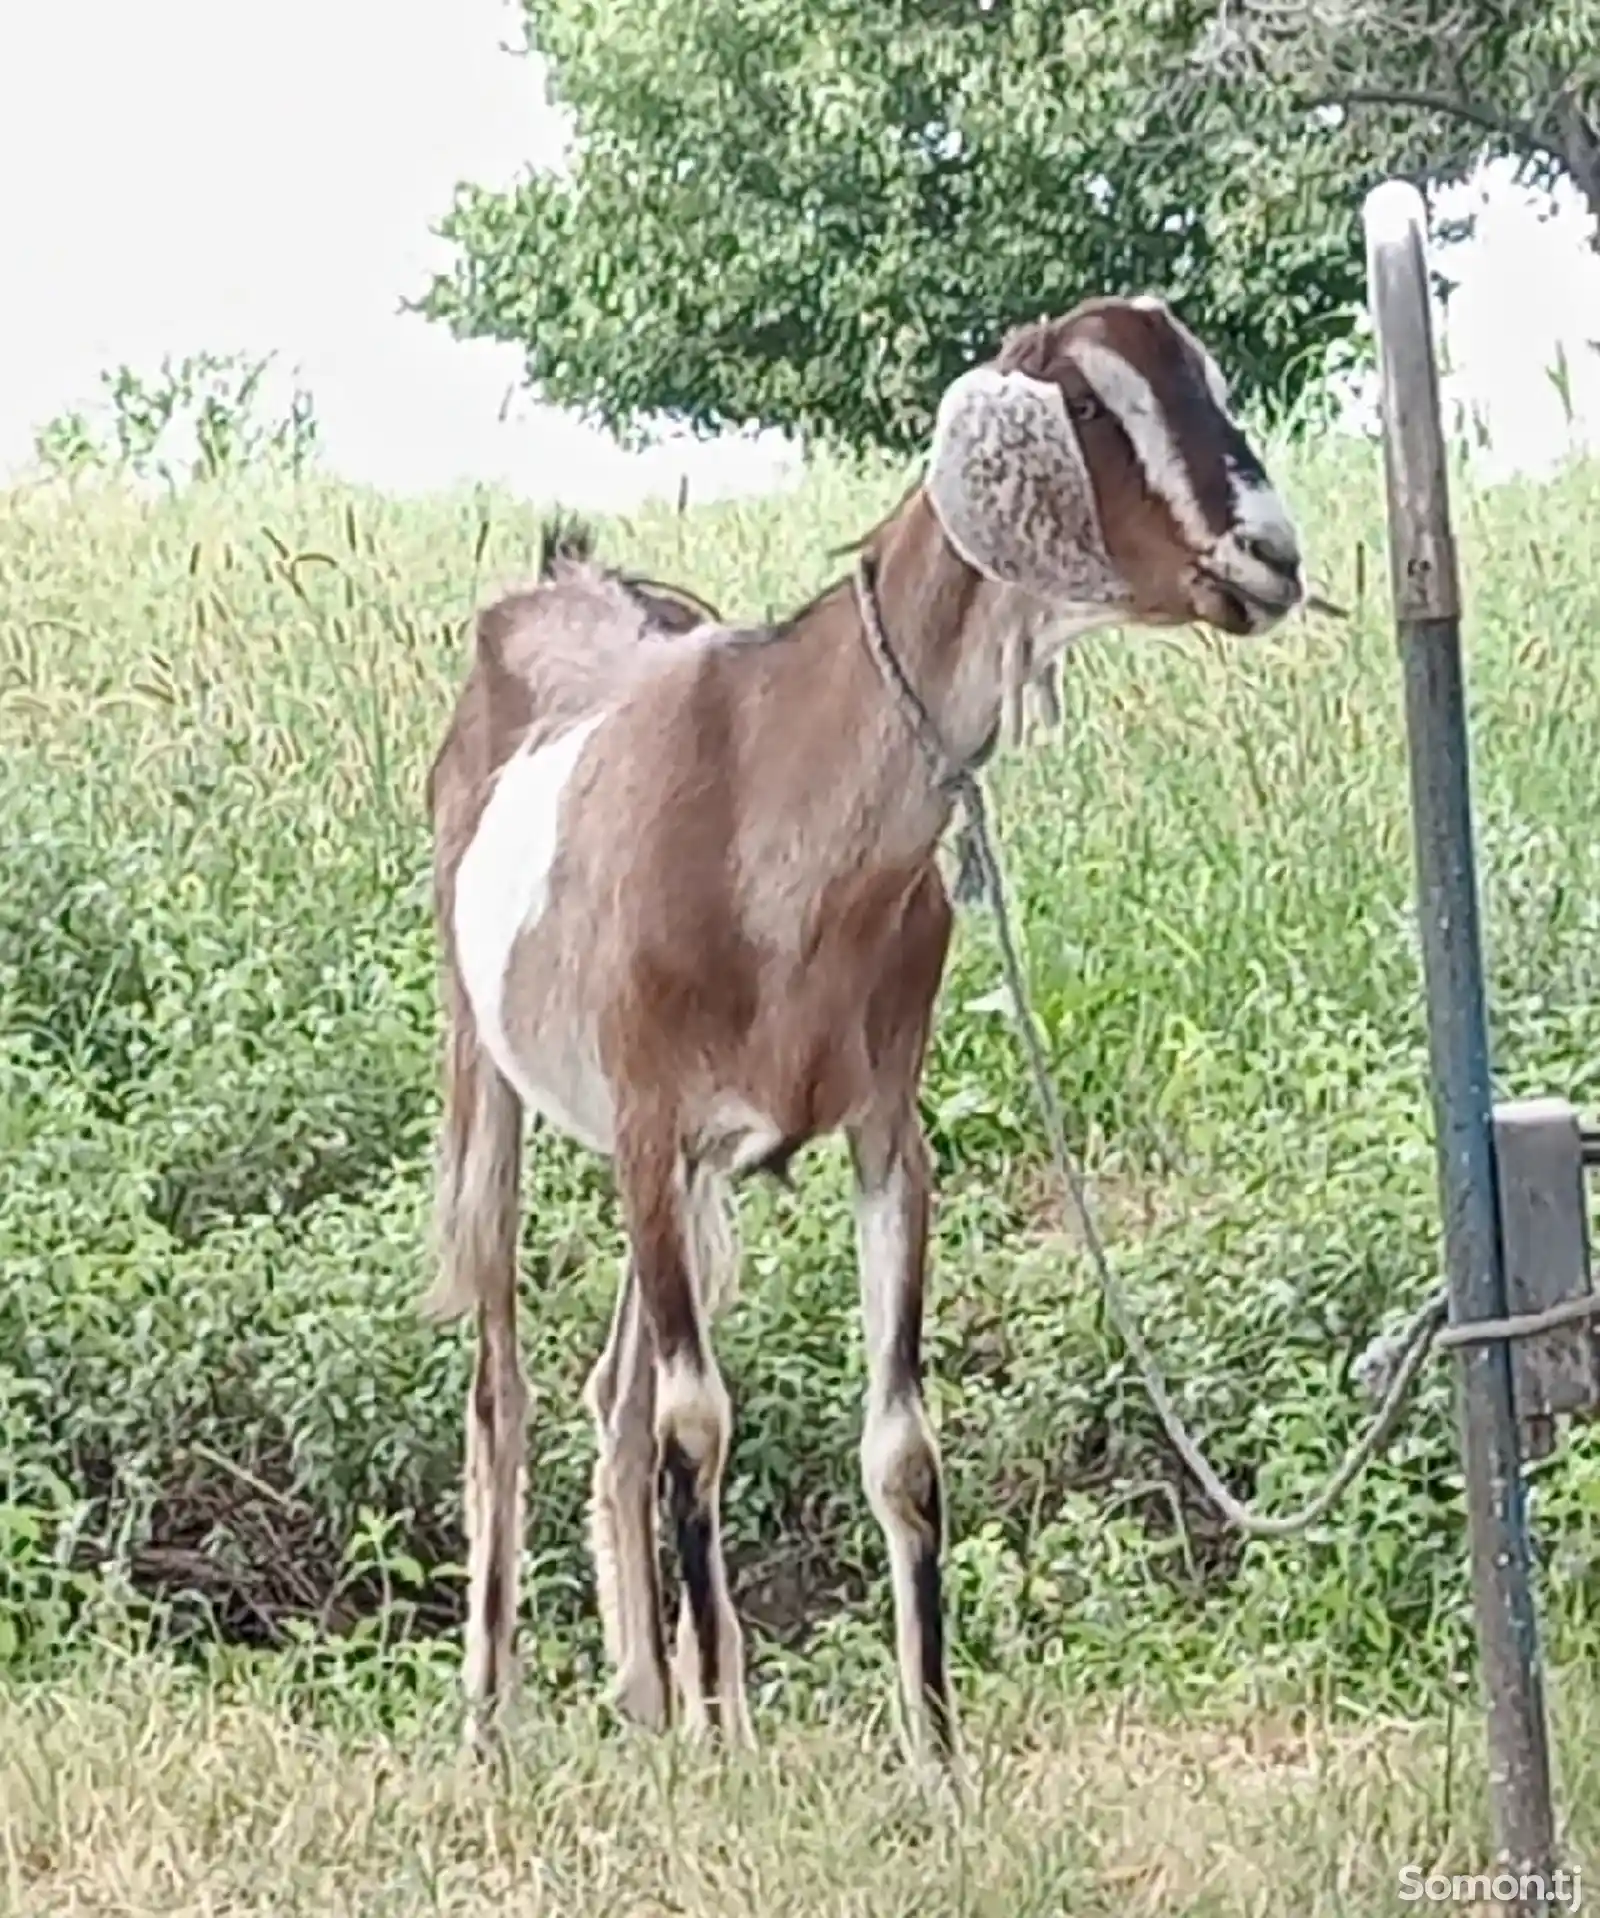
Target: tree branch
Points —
{"points": [[1522, 133]]}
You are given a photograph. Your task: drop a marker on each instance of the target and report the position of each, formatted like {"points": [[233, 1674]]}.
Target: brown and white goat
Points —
{"points": [[691, 916]]}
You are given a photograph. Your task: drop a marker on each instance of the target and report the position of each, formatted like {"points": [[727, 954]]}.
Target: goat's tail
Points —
{"points": [[477, 1178], [563, 536]]}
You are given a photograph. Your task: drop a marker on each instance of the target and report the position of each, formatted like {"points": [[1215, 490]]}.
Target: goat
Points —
{"points": [[691, 915]]}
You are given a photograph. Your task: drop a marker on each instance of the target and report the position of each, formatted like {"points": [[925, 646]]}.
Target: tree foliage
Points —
{"points": [[812, 213], [1438, 84]]}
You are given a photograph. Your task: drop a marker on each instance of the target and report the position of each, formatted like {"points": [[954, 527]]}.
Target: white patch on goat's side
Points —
{"points": [[502, 888], [1129, 397]]}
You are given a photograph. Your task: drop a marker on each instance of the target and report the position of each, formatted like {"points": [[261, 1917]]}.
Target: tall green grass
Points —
{"points": [[218, 1092]]}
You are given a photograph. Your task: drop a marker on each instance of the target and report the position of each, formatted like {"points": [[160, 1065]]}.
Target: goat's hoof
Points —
{"points": [[942, 1777], [483, 1736], [640, 1696], [738, 1734], [728, 1727]]}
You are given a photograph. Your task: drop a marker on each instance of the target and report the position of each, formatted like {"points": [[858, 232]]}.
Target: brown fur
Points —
{"points": [[740, 949]]}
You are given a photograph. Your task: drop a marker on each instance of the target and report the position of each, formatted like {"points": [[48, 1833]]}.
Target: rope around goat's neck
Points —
{"points": [[951, 775]]}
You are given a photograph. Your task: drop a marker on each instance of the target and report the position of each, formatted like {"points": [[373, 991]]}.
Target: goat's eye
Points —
{"points": [[1084, 406]]}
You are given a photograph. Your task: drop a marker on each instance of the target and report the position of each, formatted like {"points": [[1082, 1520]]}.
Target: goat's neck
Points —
{"points": [[845, 780], [951, 629]]}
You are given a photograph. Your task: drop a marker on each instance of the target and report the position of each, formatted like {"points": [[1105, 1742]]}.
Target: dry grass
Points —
{"points": [[139, 1792]]}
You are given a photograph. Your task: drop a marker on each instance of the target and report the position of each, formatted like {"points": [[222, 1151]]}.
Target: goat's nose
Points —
{"points": [[1277, 549], [1274, 549]]}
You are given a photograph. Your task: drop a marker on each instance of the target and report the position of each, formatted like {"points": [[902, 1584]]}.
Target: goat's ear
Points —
{"points": [[1007, 479]]}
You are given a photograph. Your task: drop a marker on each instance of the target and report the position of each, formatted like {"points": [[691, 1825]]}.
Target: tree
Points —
{"points": [[1439, 84], [814, 213]]}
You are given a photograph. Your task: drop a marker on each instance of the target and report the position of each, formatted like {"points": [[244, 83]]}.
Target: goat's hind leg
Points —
{"points": [[709, 1658], [678, 1232], [477, 1228]]}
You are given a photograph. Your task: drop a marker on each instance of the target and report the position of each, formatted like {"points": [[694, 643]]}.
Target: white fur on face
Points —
{"points": [[1260, 549], [502, 889], [1259, 516], [1260, 541], [1128, 396]]}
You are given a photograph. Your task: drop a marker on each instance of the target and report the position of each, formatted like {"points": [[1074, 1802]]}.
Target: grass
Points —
{"points": [[219, 1406], [148, 1792]]}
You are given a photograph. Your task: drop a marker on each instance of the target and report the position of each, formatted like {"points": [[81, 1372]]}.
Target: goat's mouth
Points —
{"points": [[1242, 609]]}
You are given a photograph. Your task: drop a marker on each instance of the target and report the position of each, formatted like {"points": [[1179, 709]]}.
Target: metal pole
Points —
{"points": [[1428, 617]]}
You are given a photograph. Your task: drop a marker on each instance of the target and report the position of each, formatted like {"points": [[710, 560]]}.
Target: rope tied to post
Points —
{"points": [[1399, 1359]]}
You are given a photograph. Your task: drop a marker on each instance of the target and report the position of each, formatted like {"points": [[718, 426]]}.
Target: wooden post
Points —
{"points": [[1427, 606]]}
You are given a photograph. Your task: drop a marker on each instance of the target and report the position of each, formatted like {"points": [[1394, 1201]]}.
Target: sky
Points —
{"points": [[187, 174]]}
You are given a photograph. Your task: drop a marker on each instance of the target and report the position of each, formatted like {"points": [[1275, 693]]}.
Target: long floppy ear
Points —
{"points": [[1007, 479]]}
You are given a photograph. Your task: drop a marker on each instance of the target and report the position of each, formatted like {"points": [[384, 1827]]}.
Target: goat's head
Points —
{"points": [[1094, 464]]}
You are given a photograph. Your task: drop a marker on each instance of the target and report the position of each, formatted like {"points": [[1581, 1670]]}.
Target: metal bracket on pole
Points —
{"points": [[1544, 1229], [1427, 601]]}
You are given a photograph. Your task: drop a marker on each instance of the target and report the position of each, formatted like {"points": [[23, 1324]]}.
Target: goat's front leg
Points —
{"points": [[899, 1457], [693, 1417]]}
